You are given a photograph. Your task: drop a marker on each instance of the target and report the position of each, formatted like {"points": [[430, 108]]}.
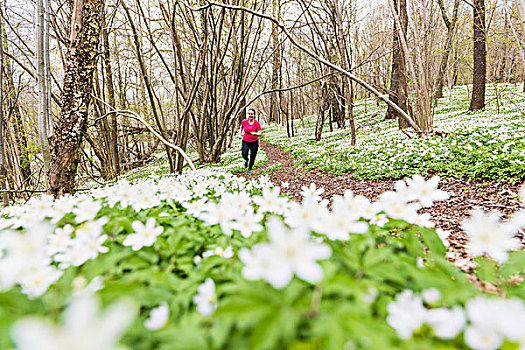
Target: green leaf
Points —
{"points": [[487, 270], [515, 265]]}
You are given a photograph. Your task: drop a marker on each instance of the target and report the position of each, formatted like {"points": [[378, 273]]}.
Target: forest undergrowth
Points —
{"points": [[486, 144], [212, 260]]}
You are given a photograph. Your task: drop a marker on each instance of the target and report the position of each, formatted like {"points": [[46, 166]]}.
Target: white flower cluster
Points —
{"points": [[487, 235], [293, 251], [83, 328], [31, 243], [158, 317], [206, 298], [218, 251], [289, 252], [490, 320]]}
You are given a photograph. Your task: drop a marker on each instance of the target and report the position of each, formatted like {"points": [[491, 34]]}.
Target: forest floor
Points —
{"points": [[447, 215]]}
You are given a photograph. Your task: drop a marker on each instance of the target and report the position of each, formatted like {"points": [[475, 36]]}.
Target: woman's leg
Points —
{"points": [[244, 151], [254, 146]]}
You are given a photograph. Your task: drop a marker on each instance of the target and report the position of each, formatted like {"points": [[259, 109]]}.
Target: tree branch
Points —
{"points": [[311, 54]]}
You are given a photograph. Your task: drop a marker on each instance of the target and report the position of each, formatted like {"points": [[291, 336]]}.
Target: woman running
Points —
{"points": [[250, 140]]}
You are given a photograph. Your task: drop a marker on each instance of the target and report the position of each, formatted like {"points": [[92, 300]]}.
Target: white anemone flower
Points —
{"points": [[195, 208], [270, 201], [483, 339], [504, 318], [396, 206], [488, 235], [310, 214], [219, 251], [299, 252], [37, 278], [406, 314], [431, 296], [59, 241], [86, 210], [312, 192], [263, 261], [145, 235], [339, 224], [446, 323], [84, 328], [239, 202], [354, 206], [158, 317], [218, 214], [206, 299], [426, 192], [248, 223]]}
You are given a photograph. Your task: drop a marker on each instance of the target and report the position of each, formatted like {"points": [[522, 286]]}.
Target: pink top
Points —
{"points": [[250, 128]]}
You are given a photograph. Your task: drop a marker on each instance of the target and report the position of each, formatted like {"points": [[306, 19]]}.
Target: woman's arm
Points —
{"points": [[258, 132]]}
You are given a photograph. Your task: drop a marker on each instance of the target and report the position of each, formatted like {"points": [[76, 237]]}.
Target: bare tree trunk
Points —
{"points": [[521, 7], [398, 85], [42, 86], [521, 11], [147, 83], [480, 57], [276, 68], [451, 26], [345, 64], [3, 172], [111, 98], [76, 94], [16, 116], [47, 68]]}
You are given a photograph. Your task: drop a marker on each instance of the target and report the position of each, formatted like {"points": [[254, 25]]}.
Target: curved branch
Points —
{"points": [[133, 115], [312, 54], [287, 88]]}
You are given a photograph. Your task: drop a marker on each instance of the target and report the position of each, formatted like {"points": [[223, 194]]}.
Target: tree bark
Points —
{"points": [[398, 84], [477, 101], [451, 25], [13, 108], [276, 68], [3, 172], [345, 64], [42, 86], [111, 99], [76, 94], [149, 88]]}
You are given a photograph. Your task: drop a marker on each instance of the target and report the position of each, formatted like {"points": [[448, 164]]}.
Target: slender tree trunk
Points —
{"points": [[16, 116], [111, 99], [47, 68], [451, 26], [276, 68], [3, 173], [76, 94], [521, 11], [147, 83], [398, 85], [346, 82], [477, 101], [42, 86]]}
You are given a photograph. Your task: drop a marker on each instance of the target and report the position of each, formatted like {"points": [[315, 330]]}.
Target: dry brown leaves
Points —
{"points": [[447, 215]]}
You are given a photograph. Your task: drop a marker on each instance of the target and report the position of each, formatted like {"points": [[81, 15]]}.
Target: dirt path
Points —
{"points": [[464, 196]]}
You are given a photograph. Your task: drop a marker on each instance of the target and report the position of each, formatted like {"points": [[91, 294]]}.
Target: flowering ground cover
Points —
{"points": [[207, 260], [230, 161], [487, 144]]}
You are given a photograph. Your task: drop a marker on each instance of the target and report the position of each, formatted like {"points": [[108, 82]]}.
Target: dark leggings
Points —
{"points": [[252, 147]]}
